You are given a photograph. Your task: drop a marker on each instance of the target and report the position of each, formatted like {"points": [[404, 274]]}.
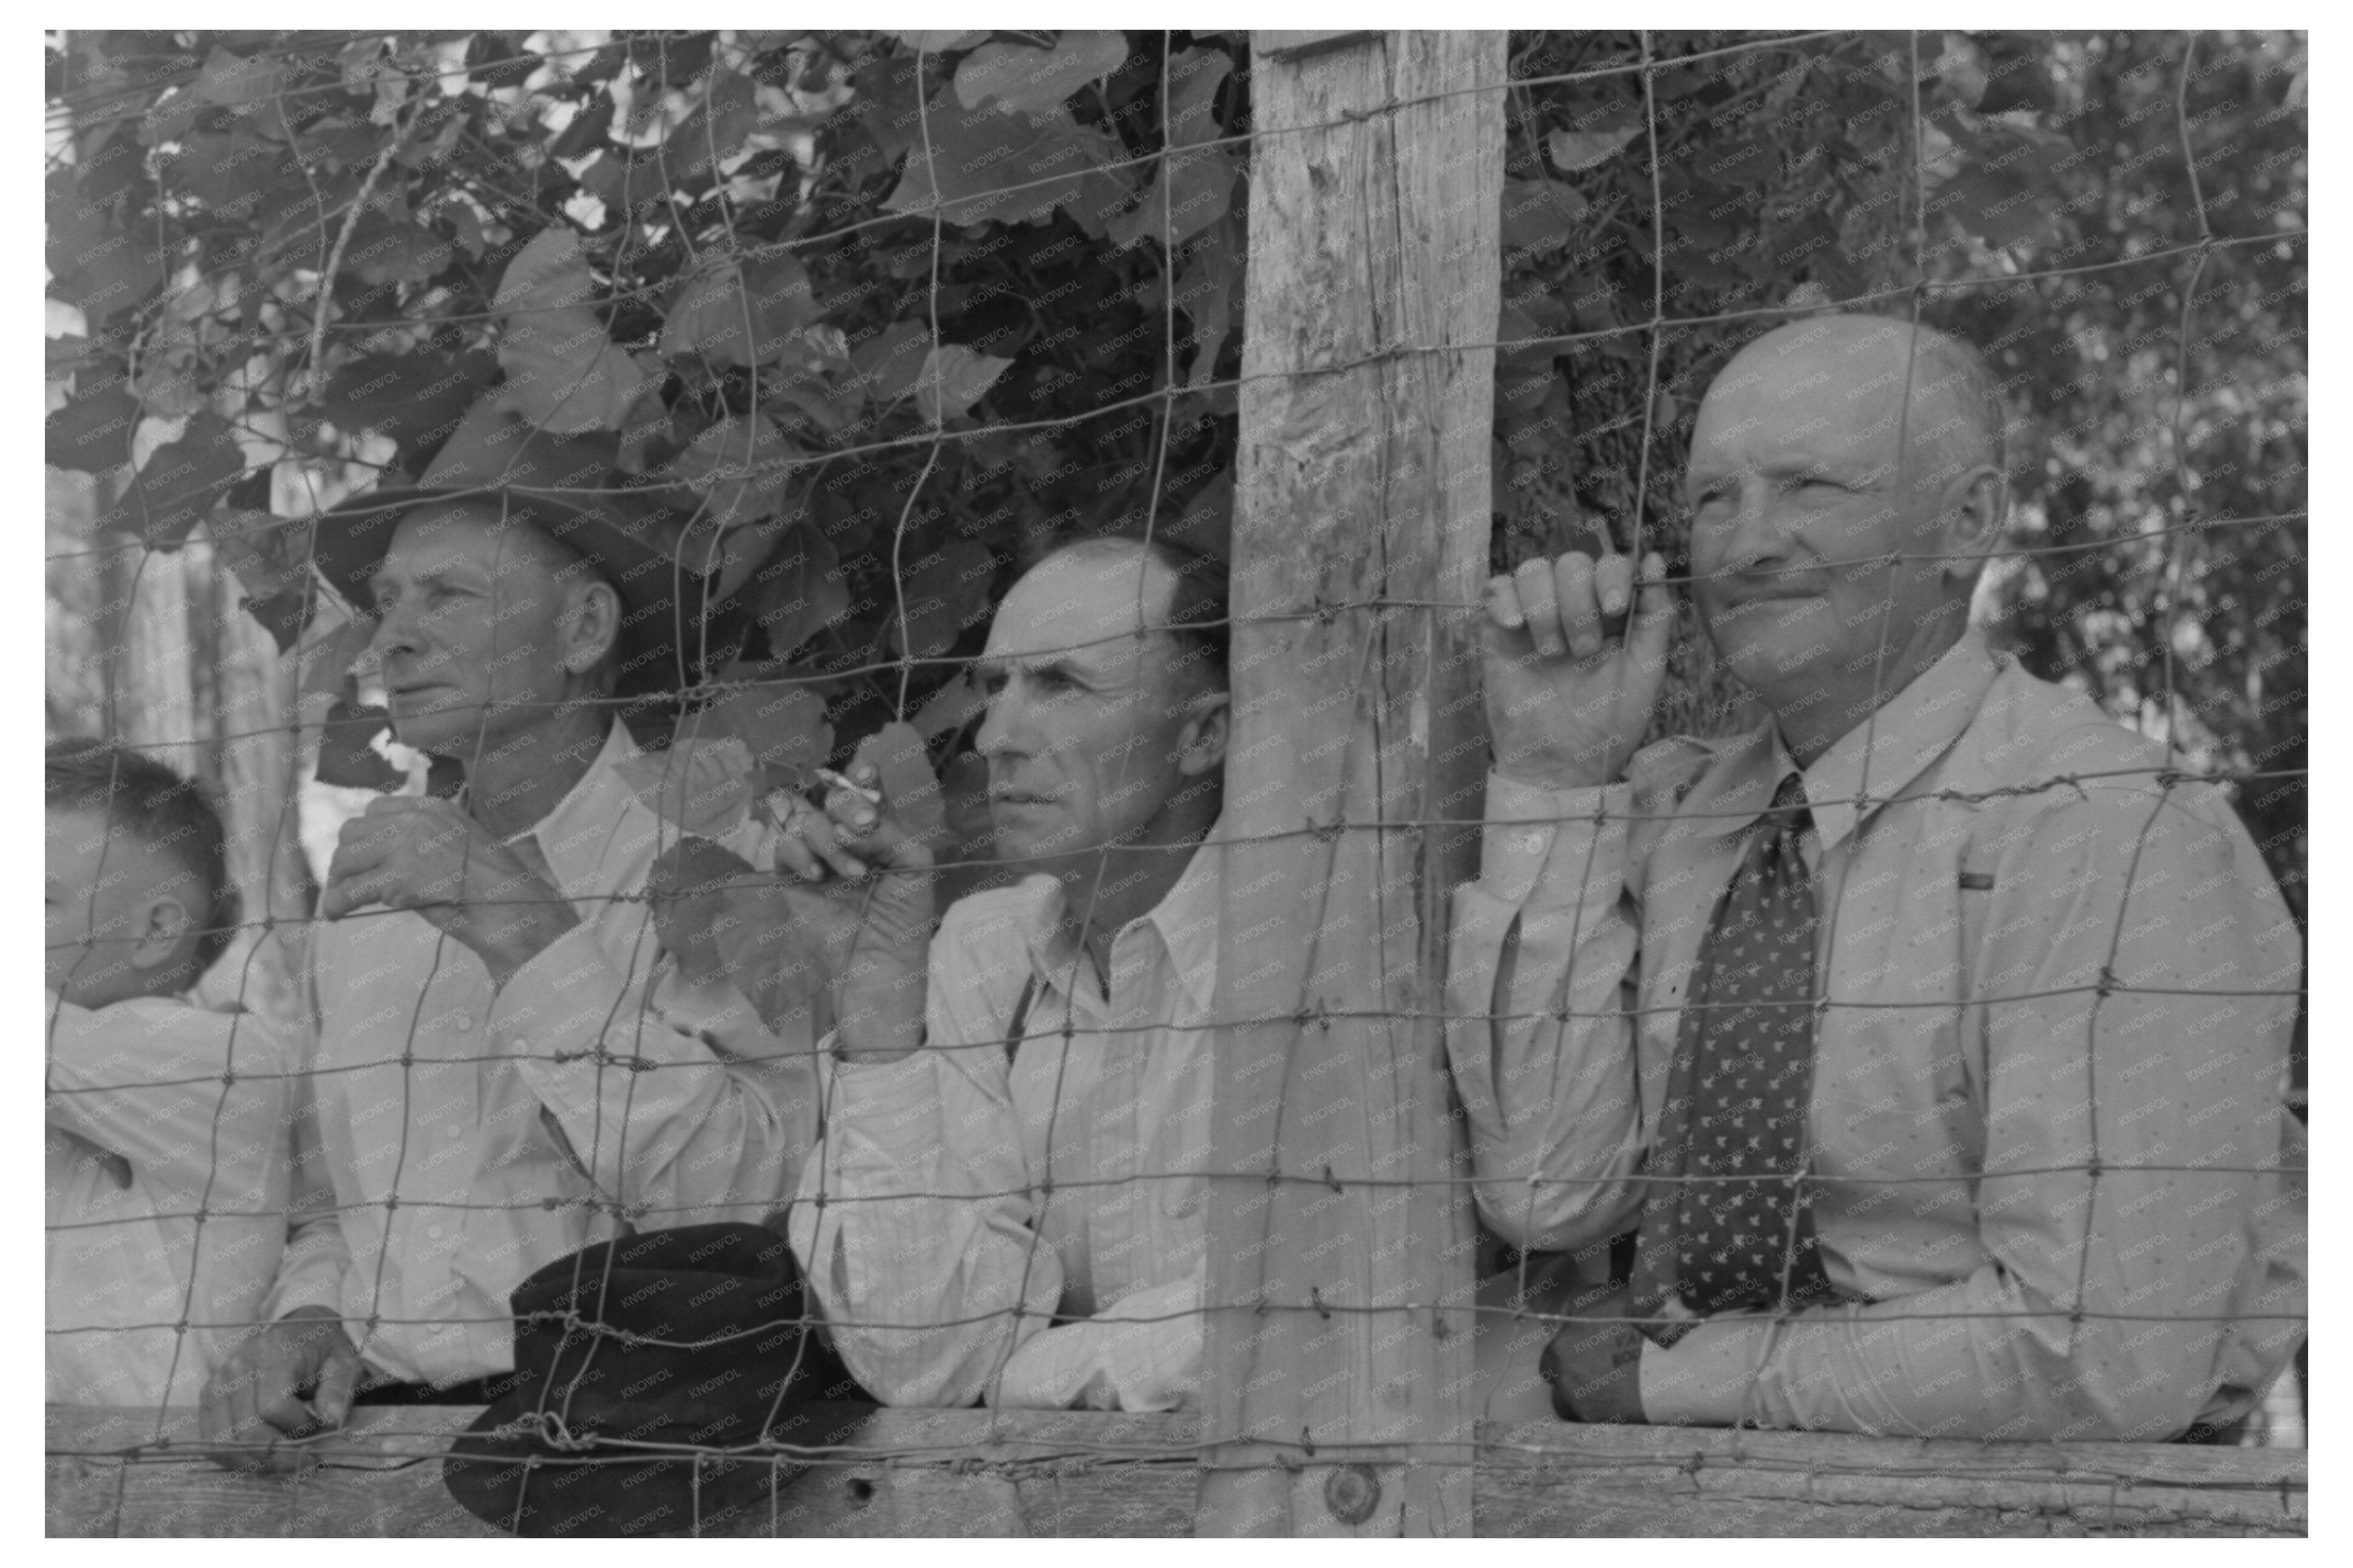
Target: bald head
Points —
{"points": [[1103, 727], [1182, 592], [1862, 365], [1845, 487]]}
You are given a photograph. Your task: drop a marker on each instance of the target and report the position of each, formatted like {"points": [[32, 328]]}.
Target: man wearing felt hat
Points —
{"points": [[500, 1071]]}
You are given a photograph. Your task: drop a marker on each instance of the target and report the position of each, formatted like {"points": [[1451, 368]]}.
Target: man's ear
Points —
{"points": [[164, 926], [591, 623], [1201, 745], [1976, 505]]}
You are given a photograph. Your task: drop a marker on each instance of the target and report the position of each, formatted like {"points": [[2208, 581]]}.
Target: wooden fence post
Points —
{"points": [[1337, 1393], [78, 617], [259, 760], [153, 699]]}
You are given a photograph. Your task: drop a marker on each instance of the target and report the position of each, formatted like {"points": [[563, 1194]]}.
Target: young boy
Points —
{"points": [[167, 1165]]}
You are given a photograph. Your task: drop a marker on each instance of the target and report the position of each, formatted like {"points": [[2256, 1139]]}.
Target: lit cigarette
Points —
{"points": [[871, 797]]}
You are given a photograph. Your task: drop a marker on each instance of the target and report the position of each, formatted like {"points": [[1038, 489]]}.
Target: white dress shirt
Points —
{"points": [[158, 1113], [455, 1138], [1967, 925], [1031, 1231]]}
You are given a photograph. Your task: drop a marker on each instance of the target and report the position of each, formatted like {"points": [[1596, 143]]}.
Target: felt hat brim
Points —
{"points": [[354, 536], [565, 486], [672, 631], [531, 1489]]}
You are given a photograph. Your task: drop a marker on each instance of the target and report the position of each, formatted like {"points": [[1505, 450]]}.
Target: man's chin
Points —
{"points": [[1766, 661], [1025, 854], [453, 731], [448, 742], [1022, 858]]}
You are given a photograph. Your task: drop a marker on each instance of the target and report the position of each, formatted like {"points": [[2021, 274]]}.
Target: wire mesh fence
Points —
{"points": [[737, 261]]}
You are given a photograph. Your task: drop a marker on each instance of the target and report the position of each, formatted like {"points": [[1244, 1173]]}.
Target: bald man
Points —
{"points": [[1912, 1065], [1008, 1205]]}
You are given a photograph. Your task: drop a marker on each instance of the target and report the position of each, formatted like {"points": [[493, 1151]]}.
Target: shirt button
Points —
{"points": [[465, 1021], [433, 1232], [457, 1133]]}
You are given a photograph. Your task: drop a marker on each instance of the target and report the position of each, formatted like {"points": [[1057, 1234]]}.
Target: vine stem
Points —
{"points": [[314, 377]]}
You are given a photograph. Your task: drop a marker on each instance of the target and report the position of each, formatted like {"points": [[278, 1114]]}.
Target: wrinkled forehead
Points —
{"points": [[476, 532], [1093, 609]]}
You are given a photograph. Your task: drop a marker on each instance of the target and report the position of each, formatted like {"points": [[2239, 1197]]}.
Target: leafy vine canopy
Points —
{"points": [[896, 308], [901, 308]]}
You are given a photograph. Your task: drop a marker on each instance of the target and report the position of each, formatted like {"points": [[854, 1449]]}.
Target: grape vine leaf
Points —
{"points": [[564, 373], [982, 165], [1575, 150], [953, 379], [742, 315], [1019, 79], [179, 483]]}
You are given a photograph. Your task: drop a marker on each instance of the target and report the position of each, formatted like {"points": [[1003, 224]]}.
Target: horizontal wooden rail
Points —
{"points": [[974, 1472]]}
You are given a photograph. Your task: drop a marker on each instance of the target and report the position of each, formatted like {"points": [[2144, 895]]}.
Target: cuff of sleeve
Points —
{"points": [[1701, 1380], [1526, 821], [560, 1000], [719, 1013], [309, 1288], [893, 1106]]}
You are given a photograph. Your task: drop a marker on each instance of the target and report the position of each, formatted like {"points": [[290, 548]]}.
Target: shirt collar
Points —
{"points": [[1881, 756], [1186, 918], [577, 829], [1909, 731]]}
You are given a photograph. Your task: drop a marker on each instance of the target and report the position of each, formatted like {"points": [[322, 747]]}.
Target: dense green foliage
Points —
{"points": [[2060, 230], [780, 265]]}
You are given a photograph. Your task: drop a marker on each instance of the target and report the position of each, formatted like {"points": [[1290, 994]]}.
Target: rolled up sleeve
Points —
{"points": [[917, 1243], [653, 1110], [1539, 1032]]}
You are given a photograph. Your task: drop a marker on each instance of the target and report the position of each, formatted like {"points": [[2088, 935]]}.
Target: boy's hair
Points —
{"points": [[160, 810]]}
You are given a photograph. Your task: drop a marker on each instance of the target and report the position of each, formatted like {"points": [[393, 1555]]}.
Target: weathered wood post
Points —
{"points": [[260, 758], [1336, 1390], [153, 699], [78, 617]]}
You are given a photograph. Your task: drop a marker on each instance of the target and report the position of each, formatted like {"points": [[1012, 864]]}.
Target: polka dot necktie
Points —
{"points": [[1734, 1122]]}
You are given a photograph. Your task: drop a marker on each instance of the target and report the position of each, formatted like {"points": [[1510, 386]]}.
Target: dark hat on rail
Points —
{"points": [[666, 1383], [645, 538]]}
